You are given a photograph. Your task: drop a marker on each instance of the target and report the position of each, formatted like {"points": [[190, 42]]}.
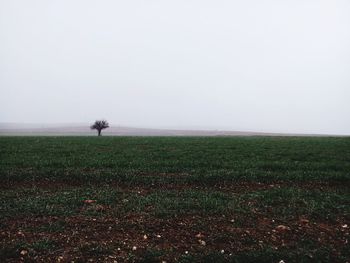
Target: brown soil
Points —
{"points": [[112, 239]]}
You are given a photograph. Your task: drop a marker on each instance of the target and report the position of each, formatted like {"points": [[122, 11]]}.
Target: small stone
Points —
{"points": [[222, 251], [202, 242], [134, 248], [159, 236], [344, 226], [24, 252], [145, 237], [186, 252], [282, 228], [200, 235]]}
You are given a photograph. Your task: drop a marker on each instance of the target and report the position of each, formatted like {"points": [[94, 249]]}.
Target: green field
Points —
{"points": [[174, 199]]}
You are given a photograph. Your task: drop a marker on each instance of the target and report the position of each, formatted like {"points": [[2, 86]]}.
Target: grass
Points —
{"points": [[204, 159], [234, 190], [313, 203]]}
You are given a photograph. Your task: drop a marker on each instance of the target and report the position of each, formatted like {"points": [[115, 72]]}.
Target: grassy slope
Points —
{"points": [[235, 191]]}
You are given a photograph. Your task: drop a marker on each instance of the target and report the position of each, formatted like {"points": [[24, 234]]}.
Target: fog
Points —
{"points": [[265, 66]]}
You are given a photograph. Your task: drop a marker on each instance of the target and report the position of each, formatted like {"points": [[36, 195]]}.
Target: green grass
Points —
{"points": [[203, 160], [157, 182], [313, 203]]}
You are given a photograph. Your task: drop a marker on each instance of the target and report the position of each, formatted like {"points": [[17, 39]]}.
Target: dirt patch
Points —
{"points": [[136, 237], [107, 239]]}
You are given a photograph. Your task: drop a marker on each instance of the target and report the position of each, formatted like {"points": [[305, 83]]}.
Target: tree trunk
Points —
{"points": [[99, 132]]}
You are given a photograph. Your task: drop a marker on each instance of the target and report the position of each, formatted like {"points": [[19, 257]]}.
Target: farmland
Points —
{"points": [[174, 199]]}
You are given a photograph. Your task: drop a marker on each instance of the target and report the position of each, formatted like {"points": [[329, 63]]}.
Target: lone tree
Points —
{"points": [[99, 126]]}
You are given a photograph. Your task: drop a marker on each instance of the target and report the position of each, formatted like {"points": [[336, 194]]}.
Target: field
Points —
{"points": [[174, 199]]}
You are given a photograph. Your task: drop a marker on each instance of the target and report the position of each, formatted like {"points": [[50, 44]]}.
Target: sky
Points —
{"points": [[265, 66]]}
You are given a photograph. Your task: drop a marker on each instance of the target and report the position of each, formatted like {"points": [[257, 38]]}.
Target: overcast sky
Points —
{"points": [[274, 66]]}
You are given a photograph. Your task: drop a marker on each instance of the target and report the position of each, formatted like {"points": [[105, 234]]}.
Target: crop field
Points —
{"points": [[174, 199]]}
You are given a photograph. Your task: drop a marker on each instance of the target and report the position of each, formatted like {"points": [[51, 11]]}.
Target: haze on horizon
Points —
{"points": [[265, 66]]}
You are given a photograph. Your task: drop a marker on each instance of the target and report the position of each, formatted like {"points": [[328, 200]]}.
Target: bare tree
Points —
{"points": [[99, 126]]}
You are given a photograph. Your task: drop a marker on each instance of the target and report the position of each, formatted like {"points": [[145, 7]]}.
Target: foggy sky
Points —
{"points": [[273, 66]]}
